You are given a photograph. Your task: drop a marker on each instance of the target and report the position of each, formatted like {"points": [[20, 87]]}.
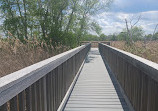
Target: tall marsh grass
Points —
{"points": [[147, 50], [15, 55]]}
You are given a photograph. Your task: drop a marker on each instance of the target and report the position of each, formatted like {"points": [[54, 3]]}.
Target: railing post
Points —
{"points": [[54, 89], [21, 101], [42, 86], [60, 83], [39, 96], [4, 107], [13, 104], [34, 97], [48, 92], [137, 76], [29, 99]]}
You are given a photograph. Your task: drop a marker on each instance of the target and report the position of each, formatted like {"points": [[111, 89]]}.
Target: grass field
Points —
{"points": [[148, 50], [15, 55]]}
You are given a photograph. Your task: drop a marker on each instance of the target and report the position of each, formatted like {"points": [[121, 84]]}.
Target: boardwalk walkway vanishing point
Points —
{"points": [[83, 79], [94, 89]]}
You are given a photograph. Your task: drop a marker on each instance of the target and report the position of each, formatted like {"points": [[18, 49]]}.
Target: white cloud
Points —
{"points": [[150, 15], [114, 22]]}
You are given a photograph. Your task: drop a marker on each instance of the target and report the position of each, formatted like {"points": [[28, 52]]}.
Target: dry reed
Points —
{"points": [[15, 55], [147, 50]]}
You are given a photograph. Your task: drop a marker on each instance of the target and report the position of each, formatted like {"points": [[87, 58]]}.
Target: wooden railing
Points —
{"points": [[138, 77], [42, 86], [94, 44]]}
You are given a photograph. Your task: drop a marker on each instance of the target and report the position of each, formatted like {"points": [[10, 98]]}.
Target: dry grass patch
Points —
{"points": [[15, 55], [148, 50]]}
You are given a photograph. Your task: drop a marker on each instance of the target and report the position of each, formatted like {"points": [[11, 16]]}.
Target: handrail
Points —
{"points": [[137, 76], [19, 82], [94, 44], [139, 62]]}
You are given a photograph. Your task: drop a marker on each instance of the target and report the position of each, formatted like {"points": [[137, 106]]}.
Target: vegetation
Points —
{"points": [[15, 55], [138, 35], [141, 45], [33, 30], [149, 52], [54, 21]]}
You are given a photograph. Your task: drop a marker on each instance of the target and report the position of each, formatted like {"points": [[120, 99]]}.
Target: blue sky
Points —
{"points": [[113, 21]]}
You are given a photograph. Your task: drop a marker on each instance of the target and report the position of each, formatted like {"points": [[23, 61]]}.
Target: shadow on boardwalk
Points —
{"points": [[91, 58], [117, 88]]}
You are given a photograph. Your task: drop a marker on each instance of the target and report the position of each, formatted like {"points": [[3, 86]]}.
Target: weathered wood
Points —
{"points": [[64, 76], [94, 89], [42, 86], [28, 99], [4, 107], [21, 101], [94, 44], [51, 90], [60, 83], [14, 83], [44, 94], [66, 97], [34, 97], [39, 101], [13, 104], [137, 76], [48, 92]]}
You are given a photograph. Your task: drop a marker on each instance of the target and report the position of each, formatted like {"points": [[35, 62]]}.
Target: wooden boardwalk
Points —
{"points": [[95, 90]]}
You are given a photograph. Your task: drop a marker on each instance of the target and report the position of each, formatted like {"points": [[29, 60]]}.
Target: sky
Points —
{"points": [[113, 21]]}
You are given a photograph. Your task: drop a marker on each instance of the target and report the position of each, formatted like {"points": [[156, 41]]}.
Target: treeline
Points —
{"points": [[138, 34], [54, 22]]}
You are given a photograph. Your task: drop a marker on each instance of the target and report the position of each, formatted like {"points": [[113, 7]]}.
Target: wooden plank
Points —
{"points": [[21, 101], [34, 97], [44, 94], [101, 105], [66, 97], [97, 102], [28, 99], [13, 104], [95, 109], [94, 89], [4, 107]]}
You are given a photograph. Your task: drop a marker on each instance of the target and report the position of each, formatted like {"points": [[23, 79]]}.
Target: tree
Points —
{"points": [[130, 29], [88, 8], [51, 21], [148, 37], [122, 36], [137, 33], [95, 27], [89, 37], [103, 37], [113, 37], [155, 36]]}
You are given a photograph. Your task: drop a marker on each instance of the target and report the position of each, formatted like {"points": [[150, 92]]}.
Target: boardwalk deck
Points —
{"points": [[94, 89]]}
